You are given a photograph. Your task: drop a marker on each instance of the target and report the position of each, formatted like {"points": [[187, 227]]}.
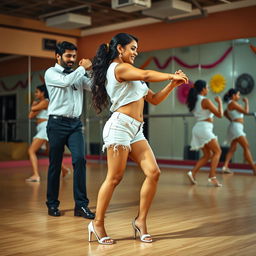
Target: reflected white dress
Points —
{"points": [[41, 128], [235, 129], [202, 132]]}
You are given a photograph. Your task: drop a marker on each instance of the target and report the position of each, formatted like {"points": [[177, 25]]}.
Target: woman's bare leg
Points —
{"points": [[142, 154], [247, 152], [214, 146], [34, 147], [116, 166], [64, 170], [230, 153], [202, 161]]}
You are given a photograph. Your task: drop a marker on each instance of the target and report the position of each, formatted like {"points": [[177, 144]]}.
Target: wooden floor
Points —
{"points": [[184, 220]]}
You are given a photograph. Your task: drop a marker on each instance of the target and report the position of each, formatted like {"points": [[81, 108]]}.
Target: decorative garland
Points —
{"points": [[253, 48], [144, 65], [183, 64], [18, 84], [41, 78]]}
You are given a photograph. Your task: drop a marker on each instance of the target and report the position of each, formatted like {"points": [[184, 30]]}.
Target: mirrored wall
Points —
{"points": [[223, 65]]}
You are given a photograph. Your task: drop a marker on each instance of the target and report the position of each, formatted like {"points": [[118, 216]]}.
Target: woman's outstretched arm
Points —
{"points": [[127, 72]]}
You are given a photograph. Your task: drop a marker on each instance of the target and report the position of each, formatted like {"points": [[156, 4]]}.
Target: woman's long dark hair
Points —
{"points": [[106, 53], [229, 94], [199, 85], [43, 89]]}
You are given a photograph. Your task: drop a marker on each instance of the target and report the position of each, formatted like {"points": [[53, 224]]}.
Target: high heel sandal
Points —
{"points": [[213, 181], [191, 178], [100, 240], [226, 170], [142, 237], [30, 179]]}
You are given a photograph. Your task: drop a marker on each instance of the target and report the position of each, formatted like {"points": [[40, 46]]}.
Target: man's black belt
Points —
{"points": [[64, 117]]}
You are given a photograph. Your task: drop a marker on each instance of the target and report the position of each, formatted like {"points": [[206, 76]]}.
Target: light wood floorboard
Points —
{"points": [[184, 220]]}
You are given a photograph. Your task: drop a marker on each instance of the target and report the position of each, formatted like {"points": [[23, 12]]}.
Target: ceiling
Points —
{"points": [[100, 10], [32, 15]]}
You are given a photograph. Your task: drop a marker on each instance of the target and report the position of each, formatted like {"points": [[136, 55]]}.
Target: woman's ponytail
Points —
{"points": [[193, 93]]}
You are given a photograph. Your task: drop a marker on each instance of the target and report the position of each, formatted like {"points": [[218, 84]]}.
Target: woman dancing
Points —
{"points": [[39, 111], [202, 133], [235, 134], [115, 76]]}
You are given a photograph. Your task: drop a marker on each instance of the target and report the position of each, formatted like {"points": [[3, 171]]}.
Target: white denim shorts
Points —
{"points": [[41, 131], [202, 133], [122, 130], [235, 130]]}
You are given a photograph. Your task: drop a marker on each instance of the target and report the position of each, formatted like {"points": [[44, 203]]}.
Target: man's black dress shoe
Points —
{"points": [[84, 212], [53, 212]]}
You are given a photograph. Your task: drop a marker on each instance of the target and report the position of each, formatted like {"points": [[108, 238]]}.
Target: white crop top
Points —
{"points": [[200, 113], [125, 92], [234, 114], [42, 114]]}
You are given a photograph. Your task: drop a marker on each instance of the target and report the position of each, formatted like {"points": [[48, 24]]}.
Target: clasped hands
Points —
{"points": [[86, 63], [179, 78]]}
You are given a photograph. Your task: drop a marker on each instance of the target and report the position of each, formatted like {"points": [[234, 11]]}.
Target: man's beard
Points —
{"points": [[65, 64]]}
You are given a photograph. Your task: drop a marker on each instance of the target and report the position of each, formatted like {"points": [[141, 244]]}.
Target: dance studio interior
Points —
{"points": [[210, 40]]}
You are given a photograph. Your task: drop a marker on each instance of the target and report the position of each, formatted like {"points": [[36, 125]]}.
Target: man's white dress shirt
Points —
{"points": [[66, 90]]}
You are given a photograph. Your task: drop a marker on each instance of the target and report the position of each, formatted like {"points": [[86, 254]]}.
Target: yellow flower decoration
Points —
{"points": [[217, 83]]}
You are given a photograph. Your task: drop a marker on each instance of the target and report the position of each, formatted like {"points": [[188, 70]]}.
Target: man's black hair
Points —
{"points": [[63, 46]]}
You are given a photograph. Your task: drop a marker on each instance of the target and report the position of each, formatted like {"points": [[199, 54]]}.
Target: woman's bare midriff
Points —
{"points": [[40, 120], [239, 120], [133, 109], [208, 120]]}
